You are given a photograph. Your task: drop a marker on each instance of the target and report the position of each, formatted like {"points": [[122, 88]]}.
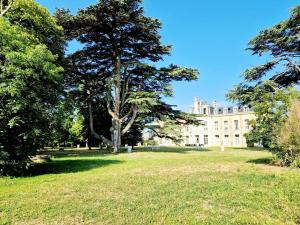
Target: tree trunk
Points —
{"points": [[116, 136], [116, 120], [94, 134]]}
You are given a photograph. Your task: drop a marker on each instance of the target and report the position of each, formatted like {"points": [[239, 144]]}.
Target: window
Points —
{"points": [[205, 125], [217, 139], [204, 111], [187, 140], [225, 125], [205, 139], [236, 124], [226, 140], [197, 139], [247, 127], [216, 125], [187, 129], [237, 139]]}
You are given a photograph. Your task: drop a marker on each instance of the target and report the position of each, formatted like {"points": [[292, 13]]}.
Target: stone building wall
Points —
{"points": [[221, 125]]}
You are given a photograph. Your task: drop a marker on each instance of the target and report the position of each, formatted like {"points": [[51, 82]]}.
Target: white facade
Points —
{"points": [[221, 126]]}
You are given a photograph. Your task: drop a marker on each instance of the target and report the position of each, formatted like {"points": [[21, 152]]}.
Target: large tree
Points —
{"points": [[120, 47], [268, 88], [30, 78]]}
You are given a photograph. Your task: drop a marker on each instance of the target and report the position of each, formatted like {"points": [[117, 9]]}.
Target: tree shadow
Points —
{"points": [[249, 149], [69, 166], [266, 161], [180, 150], [75, 153]]}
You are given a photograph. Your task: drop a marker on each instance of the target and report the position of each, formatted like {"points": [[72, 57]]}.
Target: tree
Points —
{"points": [[281, 42], [120, 43], [289, 137], [29, 87], [264, 89], [37, 20], [271, 112], [77, 129]]}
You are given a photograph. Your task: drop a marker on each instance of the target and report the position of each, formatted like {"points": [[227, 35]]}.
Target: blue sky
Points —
{"points": [[209, 35]]}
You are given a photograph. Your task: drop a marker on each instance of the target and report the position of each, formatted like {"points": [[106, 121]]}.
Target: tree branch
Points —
{"points": [[297, 68], [93, 132], [2, 12], [130, 123], [128, 114], [111, 112]]}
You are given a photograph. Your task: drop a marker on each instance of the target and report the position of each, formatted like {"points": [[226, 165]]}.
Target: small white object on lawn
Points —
{"points": [[129, 149], [222, 148]]}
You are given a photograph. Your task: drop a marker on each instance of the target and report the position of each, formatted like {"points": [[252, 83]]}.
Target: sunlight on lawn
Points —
{"points": [[169, 186]]}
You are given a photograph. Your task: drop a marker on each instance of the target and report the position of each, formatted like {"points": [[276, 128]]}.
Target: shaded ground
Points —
{"points": [[69, 166], [165, 187]]}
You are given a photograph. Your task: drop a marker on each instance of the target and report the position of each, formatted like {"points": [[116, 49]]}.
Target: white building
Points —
{"points": [[221, 126]]}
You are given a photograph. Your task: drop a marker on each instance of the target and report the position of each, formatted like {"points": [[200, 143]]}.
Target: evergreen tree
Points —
{"points": [[120, 44], [268, 88]]}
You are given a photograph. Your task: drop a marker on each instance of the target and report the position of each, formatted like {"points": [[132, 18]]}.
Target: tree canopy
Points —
{"points": [[120, 47], [29, 82], [268, 88]]}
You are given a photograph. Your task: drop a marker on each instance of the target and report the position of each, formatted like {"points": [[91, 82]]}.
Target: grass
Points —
{"points": [[168, 186]]}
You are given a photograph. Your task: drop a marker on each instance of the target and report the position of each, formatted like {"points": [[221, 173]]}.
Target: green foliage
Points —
{"points": [[282, 43], [77, 129], [268, 88], [288, 138], [271, 113], [38, 21], [119, 44], [29, 84]]}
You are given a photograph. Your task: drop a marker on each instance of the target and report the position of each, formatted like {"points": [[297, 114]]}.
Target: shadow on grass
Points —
{"points": [[75, 153], [266, 161], [69, 166], [181, 150], [249, 149]]}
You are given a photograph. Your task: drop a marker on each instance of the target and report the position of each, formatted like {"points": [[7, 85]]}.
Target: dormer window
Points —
{"points": [[246, 109]]}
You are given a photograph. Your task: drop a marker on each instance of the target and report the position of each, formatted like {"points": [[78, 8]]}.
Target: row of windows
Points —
{"points": [[236, 125], [225, 110], [226, 125], [216, 139]]}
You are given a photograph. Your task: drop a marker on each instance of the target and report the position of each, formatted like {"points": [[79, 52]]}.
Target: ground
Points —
{"points": [[168, 186]]}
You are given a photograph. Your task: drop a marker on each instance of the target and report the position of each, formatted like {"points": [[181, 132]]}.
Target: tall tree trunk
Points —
{"points": [[116, 133], [93, 132], [116, 120]]}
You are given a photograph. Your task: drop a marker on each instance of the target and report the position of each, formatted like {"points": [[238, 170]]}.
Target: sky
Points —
{"points": [[208, 35]]}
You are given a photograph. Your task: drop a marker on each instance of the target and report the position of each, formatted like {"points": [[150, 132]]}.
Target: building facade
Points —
{"points": [[220, 126]]}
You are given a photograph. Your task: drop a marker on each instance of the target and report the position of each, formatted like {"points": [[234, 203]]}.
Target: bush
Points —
{"points": [[14, 165], [289, 138]]}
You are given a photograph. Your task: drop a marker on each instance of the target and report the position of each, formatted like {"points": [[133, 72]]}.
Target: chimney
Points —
{"points": [[196, 106], [214, 104]]}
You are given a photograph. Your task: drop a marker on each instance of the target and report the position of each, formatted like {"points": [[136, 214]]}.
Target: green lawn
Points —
{"points": [[169, 186]]}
